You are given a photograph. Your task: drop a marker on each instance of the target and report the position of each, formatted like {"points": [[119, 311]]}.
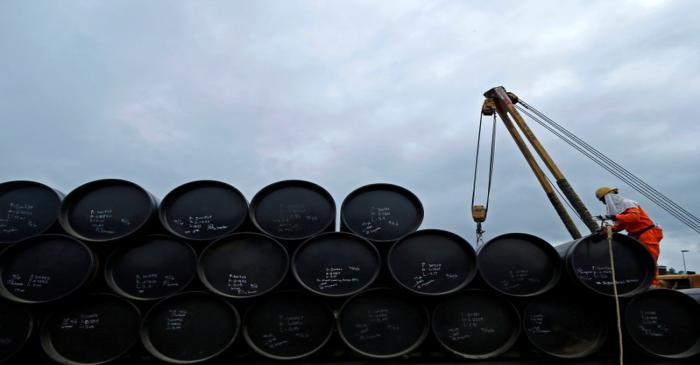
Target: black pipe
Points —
{"points": [[108, 210], [151, 267], [432, 262], [336, 264], [565, 326], [381, 213], [203, 210], [189, 327], [288, 325], [27, 208], [243, 265], [382, 323], [95, 329], [476, 324], [45, 268], [587, 264], [519, 264], [293, 210], [664, 323], [16, 327]]}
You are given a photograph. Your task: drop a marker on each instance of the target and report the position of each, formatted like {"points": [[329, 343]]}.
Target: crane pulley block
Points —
{"points": [[479, 213], [489, 107]]}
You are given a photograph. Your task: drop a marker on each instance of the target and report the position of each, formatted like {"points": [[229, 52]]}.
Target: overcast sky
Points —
{"points": [[350, 93]]}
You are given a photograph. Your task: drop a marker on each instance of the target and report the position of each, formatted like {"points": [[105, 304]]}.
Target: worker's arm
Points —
{"points": [[624, 219]]}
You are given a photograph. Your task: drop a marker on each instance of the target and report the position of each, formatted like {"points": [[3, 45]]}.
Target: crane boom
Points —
{"points": [[500, 101]]}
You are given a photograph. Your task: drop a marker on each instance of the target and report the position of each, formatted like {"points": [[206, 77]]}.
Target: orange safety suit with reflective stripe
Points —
{"points": [[635, 221]]}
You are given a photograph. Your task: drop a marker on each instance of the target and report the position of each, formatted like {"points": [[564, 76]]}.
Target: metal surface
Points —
{"points": [[27, 208], [381, 212], [45, 268], [203, 210], [16, 326], [336, 264], [288, 325], [243, 265], [189, 327], [432, 262], [693, 293], [152, 267], [664, 323], [293, 210], [566, 327], [107, 210], [476, 324], [519, 264], [382, 323], [587, 264], [96, 329]]}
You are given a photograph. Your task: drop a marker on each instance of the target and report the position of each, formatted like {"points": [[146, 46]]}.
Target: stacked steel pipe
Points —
{"points": [[107, 273]]}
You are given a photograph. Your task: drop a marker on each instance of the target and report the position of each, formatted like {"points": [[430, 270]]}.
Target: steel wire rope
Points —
{"points": [[653, 198], [642, 184], [657, 200]]}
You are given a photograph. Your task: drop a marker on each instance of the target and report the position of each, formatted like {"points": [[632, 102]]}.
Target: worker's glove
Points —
{"points": [[609, 217]]}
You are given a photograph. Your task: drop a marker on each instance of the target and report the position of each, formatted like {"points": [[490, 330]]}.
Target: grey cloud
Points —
{"points": [[350, 93]]}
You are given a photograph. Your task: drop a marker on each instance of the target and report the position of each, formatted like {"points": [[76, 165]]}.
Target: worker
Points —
{"points": [[629, 216]]}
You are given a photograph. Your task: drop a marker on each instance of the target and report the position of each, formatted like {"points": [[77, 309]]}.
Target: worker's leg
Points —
{"points": [[651, 239]]}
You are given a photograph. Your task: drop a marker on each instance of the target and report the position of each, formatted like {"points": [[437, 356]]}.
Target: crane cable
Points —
{"points": [[622, 177], [623, 174], [635, 182], [479, 231], [612, 163]]}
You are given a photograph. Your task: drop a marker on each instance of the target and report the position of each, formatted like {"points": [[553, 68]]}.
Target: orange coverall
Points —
{"points": [[635, 220]]}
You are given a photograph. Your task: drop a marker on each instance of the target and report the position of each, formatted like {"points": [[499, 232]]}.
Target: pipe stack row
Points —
{"points": [[110, 273]]}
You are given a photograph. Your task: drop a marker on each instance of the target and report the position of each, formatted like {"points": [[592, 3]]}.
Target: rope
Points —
{"points": [[491, 161], [479, 231], [476, 162], [617, 298]]}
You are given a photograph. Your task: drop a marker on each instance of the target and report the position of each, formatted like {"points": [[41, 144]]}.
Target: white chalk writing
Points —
{"points": [[239, 284], [536, 324], [601, 275], [518, 277], [198, 223], [336, 276], [293, 325], [430, 273], [378, 324], [292, 218], [379, 218], [175, 319], [271, 341], [17, 284], [471, 319], [650, 324], [144, 282], [99, 219], [82, 321], [18, 216]]}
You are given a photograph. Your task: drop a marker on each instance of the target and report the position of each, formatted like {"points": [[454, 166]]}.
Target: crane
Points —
{"points": [[508, 107]]}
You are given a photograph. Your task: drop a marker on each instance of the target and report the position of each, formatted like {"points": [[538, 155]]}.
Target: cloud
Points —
{"points": [[351, 93]]}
